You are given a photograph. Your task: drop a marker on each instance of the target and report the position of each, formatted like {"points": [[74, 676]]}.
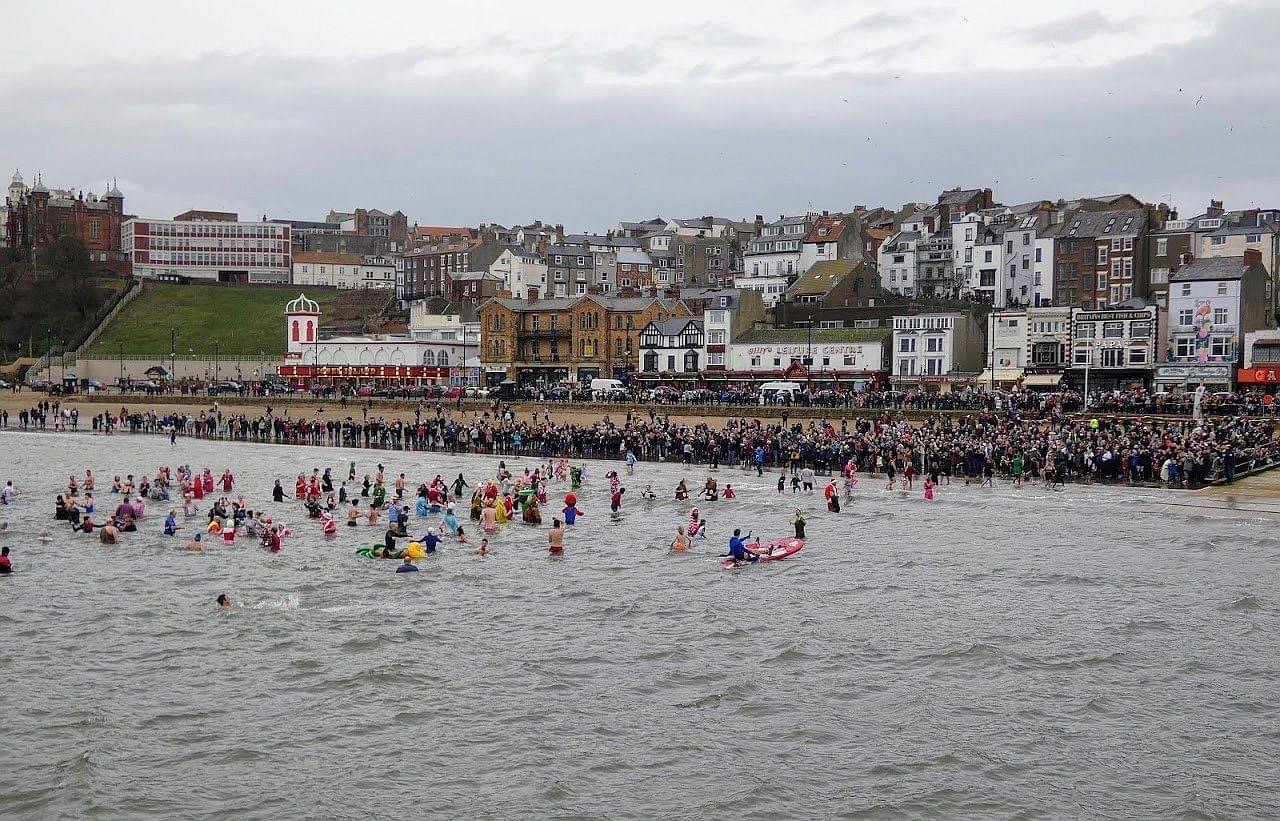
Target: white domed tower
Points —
{"points": [[302, 324]]}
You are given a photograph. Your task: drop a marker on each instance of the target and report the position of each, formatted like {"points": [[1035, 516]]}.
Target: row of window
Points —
{"points": [[907, 367], [907, 344], [202, 229], [216, 260], [1138, 329], [1111, 357]]}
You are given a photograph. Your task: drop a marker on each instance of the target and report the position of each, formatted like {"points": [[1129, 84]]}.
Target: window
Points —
{"points": [[1102, 282], [1137, 356], [986, 256], [1128, 243], [715, 359], [1008, 247], [1162, 247], [1253, 238], [1184, 347], [1102, 255], [1128, 267], [1186, 289], [1217, 240], [848, 359], [1115, 267], [1082, 356], [906, 367], [1219, 316], [1184, 316], [907, 344], [1222, 347], [1140, 329], [1026, 239], [933, 344], [95, 229], [1112, 330], [715, 337], [755, 361], [987, 278], [1115, 244], [968, 255], [1222, 289], [1084, 330], [1038, 250], [1113, 357], [582, 261]]}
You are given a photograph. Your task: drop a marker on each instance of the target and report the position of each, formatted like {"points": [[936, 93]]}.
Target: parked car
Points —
{"points": [[225, 386], [3, 385], [145, 385], [41, 385], [456, 392]]}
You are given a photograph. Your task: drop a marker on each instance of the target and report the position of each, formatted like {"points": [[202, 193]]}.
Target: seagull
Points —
{"points": [[1198, 99]]}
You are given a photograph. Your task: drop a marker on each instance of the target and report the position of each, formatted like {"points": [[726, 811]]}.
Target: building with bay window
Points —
{"points": [[1212, 304]]}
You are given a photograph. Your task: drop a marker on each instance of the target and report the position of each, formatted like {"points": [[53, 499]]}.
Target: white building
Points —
{"points": [[522, 270], [671, 346], [936, 348], [343, 270], [443, 350], [821, 355], [1006, 357], [213, 250], [1213, 303], [897, 262], [772, 259]]}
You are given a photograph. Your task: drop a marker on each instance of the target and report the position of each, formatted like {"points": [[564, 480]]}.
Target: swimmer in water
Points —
{"points": [[555, 538], [224, 601], [195, 544], [483, 549]]}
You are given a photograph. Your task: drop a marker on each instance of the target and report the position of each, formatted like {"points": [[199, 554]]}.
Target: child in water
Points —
{"points": [[928, 489]]}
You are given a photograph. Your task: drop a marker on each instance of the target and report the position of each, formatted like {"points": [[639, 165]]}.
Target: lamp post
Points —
{"points": [[173, 356], [216, 351], [120, 383]]}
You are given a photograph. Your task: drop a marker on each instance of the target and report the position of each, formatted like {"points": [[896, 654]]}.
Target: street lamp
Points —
{"points": [[120, 383], [216, 351], [173, 356]]}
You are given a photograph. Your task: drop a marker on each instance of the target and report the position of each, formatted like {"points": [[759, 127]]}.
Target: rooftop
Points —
{"points": [[1210, 268]]}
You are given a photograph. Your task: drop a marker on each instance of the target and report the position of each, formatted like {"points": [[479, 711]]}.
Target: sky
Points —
{"points": [[586, 113]]}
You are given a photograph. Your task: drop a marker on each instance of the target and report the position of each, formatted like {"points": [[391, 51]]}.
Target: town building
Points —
{"points": [[635, 269], [209, 250], [835, 283], [1261, 370], [427, 271], [822, 357], [546, 341], [672, 346], [1244, 231], [1213, 302], [1048, 346], [521, 271], [436, 351], [1006, 359], [771, 260], [1115, 347], [343, 270], [937, 351], [33, 217]]}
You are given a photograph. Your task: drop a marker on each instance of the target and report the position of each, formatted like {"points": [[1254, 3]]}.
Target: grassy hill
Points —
{"points": [[244, 320]]}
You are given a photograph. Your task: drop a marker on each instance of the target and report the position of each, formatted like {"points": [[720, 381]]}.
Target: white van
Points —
{"points": [[607, 388], [779, 393]]}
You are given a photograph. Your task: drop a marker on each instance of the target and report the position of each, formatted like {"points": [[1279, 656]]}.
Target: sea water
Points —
{"points": [[996, 652]]}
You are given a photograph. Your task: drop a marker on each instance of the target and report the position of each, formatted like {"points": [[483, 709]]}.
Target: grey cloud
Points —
{"points": [[1074, 29], [297, 136]]}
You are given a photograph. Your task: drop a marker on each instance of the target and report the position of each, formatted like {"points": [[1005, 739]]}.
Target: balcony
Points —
{"points": [[543, 333]]}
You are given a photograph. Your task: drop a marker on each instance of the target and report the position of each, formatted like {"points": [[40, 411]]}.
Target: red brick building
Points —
{"points": [[34, 217]]}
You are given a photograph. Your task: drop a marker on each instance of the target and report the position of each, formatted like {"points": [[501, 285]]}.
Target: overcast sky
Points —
{"points": [[587, 113]]}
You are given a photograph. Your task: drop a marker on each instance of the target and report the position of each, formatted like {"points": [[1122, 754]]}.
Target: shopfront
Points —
{"points": [[1182, 378]]}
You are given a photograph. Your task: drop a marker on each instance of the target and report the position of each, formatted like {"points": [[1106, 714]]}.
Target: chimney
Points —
{"points": [[1252, 255], [1214, 210], [824, 212], [1187, 257]]}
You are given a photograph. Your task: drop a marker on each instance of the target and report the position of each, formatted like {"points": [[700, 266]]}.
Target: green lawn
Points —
{"points": [[244, 320]]}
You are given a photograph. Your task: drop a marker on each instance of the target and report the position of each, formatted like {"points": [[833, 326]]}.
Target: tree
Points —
{"points": [[73, 281]]}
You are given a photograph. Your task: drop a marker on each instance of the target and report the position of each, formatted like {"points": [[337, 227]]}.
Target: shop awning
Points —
{"points": [[1001, 375], [1042, 380]]}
